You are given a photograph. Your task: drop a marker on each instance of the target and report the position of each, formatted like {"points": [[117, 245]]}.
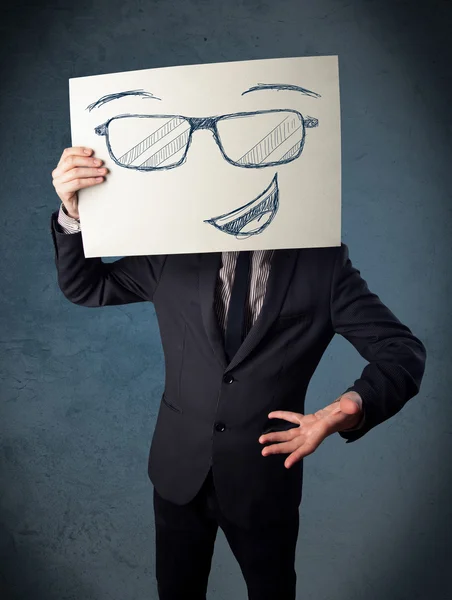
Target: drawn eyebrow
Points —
{"points": [[281, 86], [110, 97]]}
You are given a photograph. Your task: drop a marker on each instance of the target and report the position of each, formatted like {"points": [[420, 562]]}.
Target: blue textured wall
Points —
{"points": [[80, 388]]}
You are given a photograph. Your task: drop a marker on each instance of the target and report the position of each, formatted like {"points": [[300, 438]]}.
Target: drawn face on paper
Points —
{"points": [[246, 156], [249, 140]]}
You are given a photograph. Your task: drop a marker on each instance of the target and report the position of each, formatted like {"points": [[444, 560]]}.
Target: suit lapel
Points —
{"points": [[209, 268], [281, 272]]}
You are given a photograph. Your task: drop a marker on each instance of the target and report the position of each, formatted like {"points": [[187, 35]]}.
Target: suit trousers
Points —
{"points": [[185, 537]]}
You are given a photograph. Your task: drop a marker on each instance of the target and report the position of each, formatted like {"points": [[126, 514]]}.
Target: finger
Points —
{"points": [[298, 454], [78, 184], [81, 173], [73, 161], [279, 436], [283, 448], [79, 150], [287, 415]]}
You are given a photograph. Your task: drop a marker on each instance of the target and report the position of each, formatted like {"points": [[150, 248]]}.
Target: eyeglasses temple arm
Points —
{"points": [[310, 121], [101, 129]]}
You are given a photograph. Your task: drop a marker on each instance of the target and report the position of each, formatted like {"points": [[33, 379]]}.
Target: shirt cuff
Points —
{"points": [[68, 224]]}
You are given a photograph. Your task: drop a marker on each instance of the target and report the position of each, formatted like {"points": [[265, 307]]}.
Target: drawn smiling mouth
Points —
{"points": [[252, 218]]}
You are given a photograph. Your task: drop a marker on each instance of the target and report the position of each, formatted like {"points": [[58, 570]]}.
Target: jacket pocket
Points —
{"points": [[171, 406]]}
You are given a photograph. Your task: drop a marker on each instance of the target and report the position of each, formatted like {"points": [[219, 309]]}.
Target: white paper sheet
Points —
{"points": [[216, 157]]}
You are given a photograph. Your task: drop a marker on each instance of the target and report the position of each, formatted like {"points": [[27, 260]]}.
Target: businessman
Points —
{"points": [[242, 335]]}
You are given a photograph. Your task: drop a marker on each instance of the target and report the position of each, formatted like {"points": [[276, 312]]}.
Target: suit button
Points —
{"points": [[220, 427], [228, 379]]}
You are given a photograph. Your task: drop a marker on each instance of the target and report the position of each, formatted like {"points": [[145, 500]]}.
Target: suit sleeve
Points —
{"points": [[396, 358], [91, 282]]}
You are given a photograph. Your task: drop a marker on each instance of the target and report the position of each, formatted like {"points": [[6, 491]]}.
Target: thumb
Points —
{"points": [[351, 403]]}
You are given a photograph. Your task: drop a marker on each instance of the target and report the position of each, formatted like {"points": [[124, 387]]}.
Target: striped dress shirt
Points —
{"points": [[260, 270]]}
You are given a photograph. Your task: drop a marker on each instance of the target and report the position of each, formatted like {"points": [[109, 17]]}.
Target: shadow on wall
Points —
{"points": [[5, 594], [23, 575], [7, 551], [421, 565]]}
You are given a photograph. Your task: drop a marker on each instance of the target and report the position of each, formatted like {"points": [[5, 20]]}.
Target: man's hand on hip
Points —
{"points": [[343, 413]]}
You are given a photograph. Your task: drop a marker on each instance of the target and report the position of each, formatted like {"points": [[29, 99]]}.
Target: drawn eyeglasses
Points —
{"points": [[250, 139]]}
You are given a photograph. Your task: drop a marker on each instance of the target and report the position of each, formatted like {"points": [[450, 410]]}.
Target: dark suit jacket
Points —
{"points": [[212, 412]]}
